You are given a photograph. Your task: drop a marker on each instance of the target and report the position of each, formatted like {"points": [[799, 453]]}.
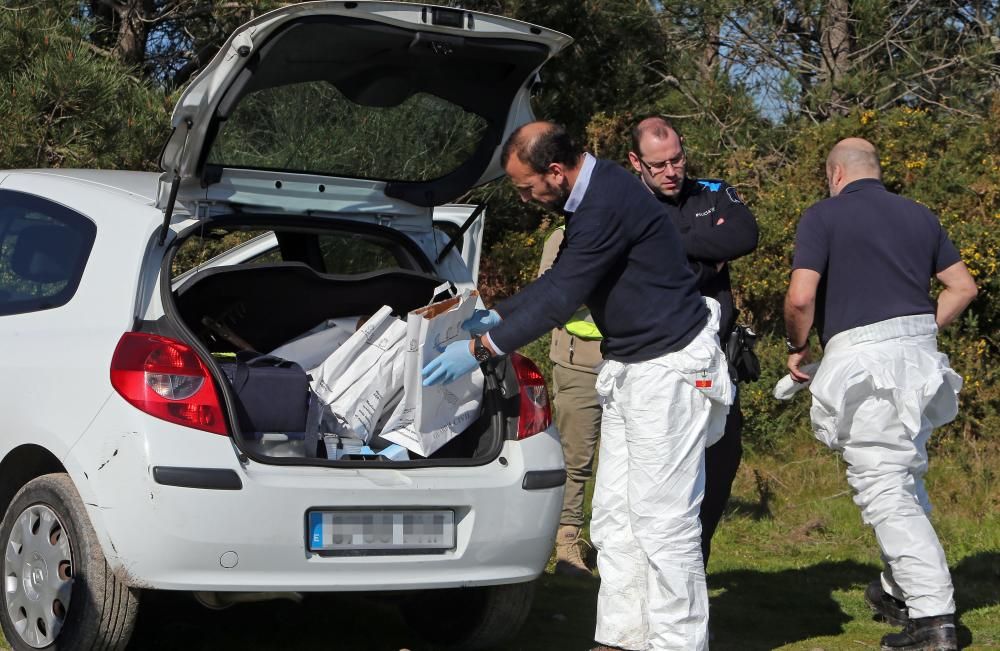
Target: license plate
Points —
{"points": [[381, 532]]}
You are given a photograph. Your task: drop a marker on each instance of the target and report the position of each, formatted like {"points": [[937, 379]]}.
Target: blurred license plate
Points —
{"points": [[381, 531]]}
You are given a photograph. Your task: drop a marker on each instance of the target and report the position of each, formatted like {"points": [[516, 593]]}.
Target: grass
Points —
{"points": [[789, 564]]}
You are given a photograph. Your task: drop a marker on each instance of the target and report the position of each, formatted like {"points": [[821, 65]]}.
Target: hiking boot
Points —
{"points": [[924, 634], [887, 607], [569, 557]]}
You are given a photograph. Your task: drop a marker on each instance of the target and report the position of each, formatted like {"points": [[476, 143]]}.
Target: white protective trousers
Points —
{"points": [[879, 392], [659, 416]]}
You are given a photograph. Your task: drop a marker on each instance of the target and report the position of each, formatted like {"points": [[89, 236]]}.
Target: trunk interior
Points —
{"points": [[262, 301]]}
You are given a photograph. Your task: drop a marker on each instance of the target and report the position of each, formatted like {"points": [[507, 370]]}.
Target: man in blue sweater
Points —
{"points": [[664, 386]]}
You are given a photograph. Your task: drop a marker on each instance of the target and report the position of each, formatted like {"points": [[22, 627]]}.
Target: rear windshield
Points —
{"points": [[313, 127], [331, 252], [349, 97]]}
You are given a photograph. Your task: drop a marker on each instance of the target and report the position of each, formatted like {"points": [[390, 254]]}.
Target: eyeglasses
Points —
{"points": [[676, 162]]}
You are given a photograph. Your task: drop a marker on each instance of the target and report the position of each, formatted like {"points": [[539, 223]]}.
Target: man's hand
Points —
{"points": [[455, 361], [795, 362], [481, 321]]}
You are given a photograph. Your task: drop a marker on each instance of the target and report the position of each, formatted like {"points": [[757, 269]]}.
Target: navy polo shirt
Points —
{"points": [[876, 252]]}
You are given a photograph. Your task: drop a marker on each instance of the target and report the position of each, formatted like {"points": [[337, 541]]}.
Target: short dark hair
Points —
{"points": [[541, 149], [657, 130]]}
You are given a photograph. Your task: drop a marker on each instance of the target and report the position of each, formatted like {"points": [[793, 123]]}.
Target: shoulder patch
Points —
{"points": [[733, 195], [711, 185]]}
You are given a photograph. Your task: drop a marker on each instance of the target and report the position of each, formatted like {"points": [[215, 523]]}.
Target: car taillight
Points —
{"points": [[166, 379], [536, 413]]}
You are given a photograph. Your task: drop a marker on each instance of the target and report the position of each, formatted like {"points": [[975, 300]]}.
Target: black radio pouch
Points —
{"points": [[743, 362]]}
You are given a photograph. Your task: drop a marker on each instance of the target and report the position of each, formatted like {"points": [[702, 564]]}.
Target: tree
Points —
{"points": [[825, 58], [168, 40], [65, 102]]}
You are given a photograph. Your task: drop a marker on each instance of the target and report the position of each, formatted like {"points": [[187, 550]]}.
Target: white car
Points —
{"points": [[329, 131]]}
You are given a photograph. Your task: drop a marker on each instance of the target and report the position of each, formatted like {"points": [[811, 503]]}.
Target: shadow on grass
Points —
{"points": [[562, 618], [752, 610], [758, 611], [977, 585], [756, 511]]}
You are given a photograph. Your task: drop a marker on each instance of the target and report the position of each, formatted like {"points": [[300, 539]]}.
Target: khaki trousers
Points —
{"points": [[578, 417]]}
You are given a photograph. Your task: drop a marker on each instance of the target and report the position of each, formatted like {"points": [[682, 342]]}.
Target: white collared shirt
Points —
{"points": [[581, 185]]}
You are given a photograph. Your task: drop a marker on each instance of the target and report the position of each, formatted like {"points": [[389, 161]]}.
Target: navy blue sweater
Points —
{"points": [[623, 258]]}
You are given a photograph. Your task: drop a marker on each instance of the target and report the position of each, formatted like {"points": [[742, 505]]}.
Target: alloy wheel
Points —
{"points": [[38, 573]]}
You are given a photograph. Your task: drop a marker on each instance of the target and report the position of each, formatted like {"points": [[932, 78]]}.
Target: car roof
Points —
{"points": [[139, 186]]}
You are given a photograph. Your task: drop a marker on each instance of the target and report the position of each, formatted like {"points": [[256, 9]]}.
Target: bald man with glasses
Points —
{"points": [[716, 227]]}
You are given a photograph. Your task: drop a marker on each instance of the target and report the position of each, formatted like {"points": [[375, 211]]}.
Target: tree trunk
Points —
{"points": [[133, 18], [835, 48], [708, 62]]}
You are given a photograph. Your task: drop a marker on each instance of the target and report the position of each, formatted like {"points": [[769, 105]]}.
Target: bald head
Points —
{"points": [[654, 126], [851, 159], [542, 162], [658, 157], [539, 145]]}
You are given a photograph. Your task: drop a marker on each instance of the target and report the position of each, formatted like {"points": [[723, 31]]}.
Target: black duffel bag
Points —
{"points": [[272, 394]]}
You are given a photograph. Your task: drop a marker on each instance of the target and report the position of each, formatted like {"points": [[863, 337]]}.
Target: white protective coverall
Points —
{"points": [[659, 416], [877, 395]]}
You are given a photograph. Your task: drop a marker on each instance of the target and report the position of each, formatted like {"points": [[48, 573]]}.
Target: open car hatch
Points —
{"points": [[376, 108]]}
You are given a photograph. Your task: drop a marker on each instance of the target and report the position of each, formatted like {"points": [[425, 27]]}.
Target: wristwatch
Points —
{"points": [[480, 351], [793, 349]]}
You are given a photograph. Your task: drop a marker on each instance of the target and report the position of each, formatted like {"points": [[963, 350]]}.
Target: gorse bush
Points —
{"points": [[948, 163]]}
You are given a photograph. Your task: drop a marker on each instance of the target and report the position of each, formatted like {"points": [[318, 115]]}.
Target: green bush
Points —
{"points": [[947, 162]]}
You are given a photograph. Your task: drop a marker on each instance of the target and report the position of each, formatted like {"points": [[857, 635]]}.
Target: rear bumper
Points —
{"points": [[254, 538]]}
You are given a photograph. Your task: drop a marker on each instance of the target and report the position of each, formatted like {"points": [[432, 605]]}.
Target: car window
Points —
{"points": [[43, 250], [312, 127], [343, 253], [446, 232], [347, 253], [201, 247]]}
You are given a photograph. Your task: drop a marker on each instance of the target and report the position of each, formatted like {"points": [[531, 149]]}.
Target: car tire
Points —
{"points": [[51, 556], [469, 619]]}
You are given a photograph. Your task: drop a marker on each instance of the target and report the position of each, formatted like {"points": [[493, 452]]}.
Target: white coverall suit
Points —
{"points": [[659, 416], [877, 395]]}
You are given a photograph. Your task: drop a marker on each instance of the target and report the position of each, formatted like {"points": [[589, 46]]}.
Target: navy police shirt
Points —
{"points": [[715, 226], [876, 252], [622, 258]]}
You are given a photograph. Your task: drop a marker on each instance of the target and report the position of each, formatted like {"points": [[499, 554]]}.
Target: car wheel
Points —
{"points": [[469, 618], [56, 589]]}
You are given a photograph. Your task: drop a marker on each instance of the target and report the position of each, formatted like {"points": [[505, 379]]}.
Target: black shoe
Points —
{"points": [[886, 606], [924, 634]]}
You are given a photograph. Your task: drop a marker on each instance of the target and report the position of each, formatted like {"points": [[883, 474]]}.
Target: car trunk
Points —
{"points": [[259, 304], [371, 113]]}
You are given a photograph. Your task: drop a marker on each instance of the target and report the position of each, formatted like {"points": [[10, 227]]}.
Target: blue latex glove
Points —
{"points": [[481, 321], [455, 361]]}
